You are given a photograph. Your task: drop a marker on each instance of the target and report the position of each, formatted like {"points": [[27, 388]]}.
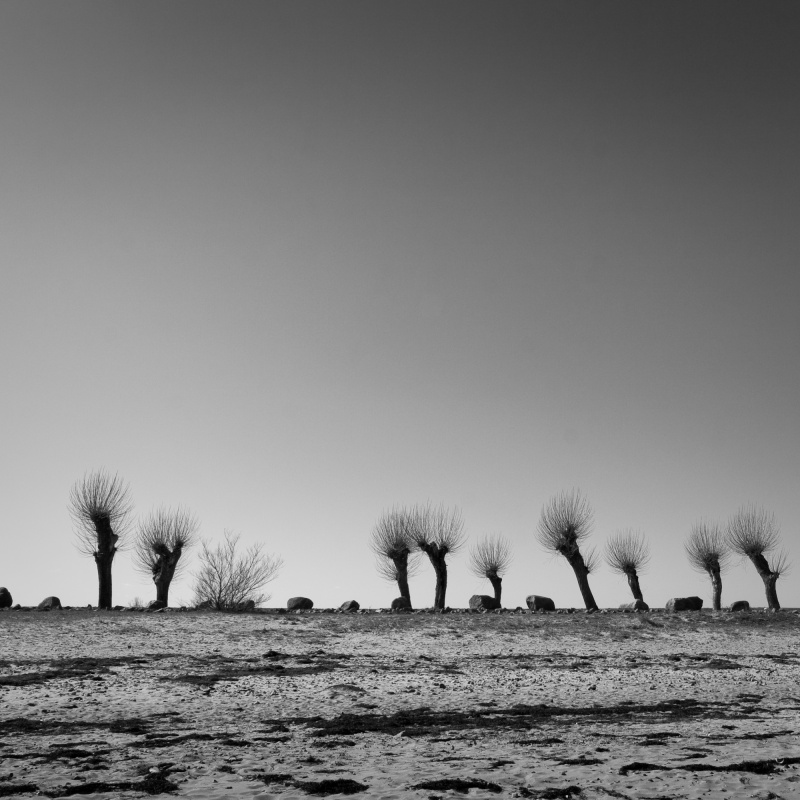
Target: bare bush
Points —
{"points": [[100, 506], [708, 552], [565, 523], [438, 532], [753, 532], [490, 558], [161, 541], [392, 542], [627, 553], [227, 579]]}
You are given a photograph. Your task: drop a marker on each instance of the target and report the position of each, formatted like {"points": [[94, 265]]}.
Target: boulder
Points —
{"points": [[636, 605], [740, 605], [538, 603], [156, 605], [483, 602], [49, 604], [401, 604], [350, 605], [247, 605], [684, 604], [6, 601], [299, 604]]}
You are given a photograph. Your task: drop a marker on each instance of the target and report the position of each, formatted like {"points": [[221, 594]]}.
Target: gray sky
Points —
{"points": [[291, 263]]}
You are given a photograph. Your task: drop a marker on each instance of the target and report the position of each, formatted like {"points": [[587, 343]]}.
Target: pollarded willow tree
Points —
{"points": [[490, 558], [752, 533], [392, 542], [627, 553], [708, 552], [100, 506], [438, 532], [160, 544], [565, 524], [228, 578]]}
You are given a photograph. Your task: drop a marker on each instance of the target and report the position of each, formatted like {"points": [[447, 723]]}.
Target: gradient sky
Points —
{"points": [[289, 264]]}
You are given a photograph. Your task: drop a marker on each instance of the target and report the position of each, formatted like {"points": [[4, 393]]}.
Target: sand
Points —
{"points": [[297, 705]]}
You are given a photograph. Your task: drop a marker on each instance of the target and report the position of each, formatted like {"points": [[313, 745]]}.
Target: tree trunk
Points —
{"points": [[582, 574], [769, 577], [633, 582], [716, 587], [437, 558], [164, 572], [497, 585], [401, 565], [103, 558]]}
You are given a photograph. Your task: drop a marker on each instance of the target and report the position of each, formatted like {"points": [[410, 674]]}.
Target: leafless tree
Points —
{"points": [[566, 523], [708, 552], [627, 553], [752, 532], [438, 532], [161, 540], [100, 506], [392, 542], [490, 558], [227, 579]]}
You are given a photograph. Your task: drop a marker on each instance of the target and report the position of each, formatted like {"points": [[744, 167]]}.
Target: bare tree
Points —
{"points": [[708, 552], [490, 558], [100, 506], [392, 542], [438, 532], [627, 553], [161, 540], [565, 523], [227, 579], [752, 532]]}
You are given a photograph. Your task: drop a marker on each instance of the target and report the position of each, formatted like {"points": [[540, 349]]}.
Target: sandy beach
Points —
{"points": [[292, 705]]}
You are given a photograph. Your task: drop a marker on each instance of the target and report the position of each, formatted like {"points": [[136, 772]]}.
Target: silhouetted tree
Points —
{"points": [[227, 579], [565, 523], [100, 506], [752, 532], [627, 553], [708, 552], [438, 532], [161, 541], [490, 558], [392, 542]]}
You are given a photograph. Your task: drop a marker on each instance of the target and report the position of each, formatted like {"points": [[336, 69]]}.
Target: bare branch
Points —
{"points": [[781, 565], [439, 527], [752, 531], [706, 548], [100, 503], [490, 557], [591, 560], [227, 579], [627, 552], [566, 521], [164, 534]]}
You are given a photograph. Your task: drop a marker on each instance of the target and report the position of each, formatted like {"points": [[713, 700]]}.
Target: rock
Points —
{"points": [[636, 605], [299, 604], [740, 605], [206, 605], [247, 605], [684, 604], [156, 605], [483, 602], [118, 608], [49, 604], [401, 604], [350, 605], [6, 601], [538, 603]]}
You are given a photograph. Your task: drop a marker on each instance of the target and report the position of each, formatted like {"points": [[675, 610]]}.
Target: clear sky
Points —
{"points": [[289, 264]]}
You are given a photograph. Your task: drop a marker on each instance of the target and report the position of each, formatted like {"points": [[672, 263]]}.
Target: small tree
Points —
{"points": [[708, 552], [161, 540], [752, 532], [227, 579], [627, 553], [565, 523], [100, 506], [490, 558], [392, 542], [438, 532]]}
